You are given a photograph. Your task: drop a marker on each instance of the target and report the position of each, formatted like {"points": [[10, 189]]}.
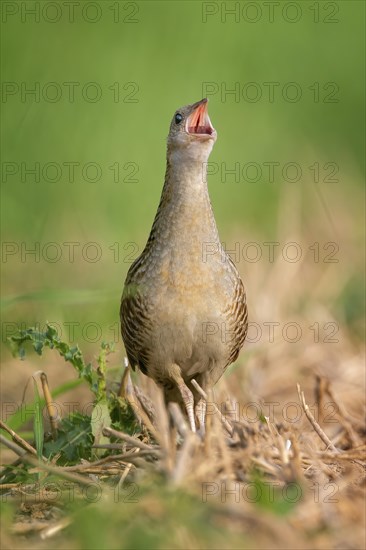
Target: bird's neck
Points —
{"points": [[185, 212]]}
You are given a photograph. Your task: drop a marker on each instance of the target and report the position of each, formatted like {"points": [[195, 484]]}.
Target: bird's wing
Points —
{"points": [[237, 315], [134, 324]]}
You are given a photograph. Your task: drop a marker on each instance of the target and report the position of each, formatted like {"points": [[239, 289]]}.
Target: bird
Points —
{"points": [[183, 309]]}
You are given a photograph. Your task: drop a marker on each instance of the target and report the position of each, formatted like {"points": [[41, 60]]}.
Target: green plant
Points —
{"points": [[76, 433]]}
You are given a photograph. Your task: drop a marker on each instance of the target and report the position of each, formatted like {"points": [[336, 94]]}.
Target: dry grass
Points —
{"points": [[283, 461], [279, 484], [289, 479]]}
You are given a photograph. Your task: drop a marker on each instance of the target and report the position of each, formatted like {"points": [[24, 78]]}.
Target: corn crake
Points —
{"points": [[183, 308]]}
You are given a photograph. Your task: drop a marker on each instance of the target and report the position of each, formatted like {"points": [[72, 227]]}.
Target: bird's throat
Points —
{"points": [[185, 205]]}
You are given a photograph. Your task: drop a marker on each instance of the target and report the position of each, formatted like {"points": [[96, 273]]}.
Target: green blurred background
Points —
{"points": [[146, 59], [162, 55]]}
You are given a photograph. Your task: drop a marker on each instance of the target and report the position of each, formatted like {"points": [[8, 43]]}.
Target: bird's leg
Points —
{"points": [[203, 380], [188, 401], [200, 411]]}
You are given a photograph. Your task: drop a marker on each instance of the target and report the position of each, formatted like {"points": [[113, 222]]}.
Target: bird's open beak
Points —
{"points": [[198, 122]]}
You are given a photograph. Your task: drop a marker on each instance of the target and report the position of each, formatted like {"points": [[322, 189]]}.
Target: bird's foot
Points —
{"points": [[200, 413], [188, 401]]}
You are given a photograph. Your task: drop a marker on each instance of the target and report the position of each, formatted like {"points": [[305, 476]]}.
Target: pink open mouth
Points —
{"points": [[198, 122]]}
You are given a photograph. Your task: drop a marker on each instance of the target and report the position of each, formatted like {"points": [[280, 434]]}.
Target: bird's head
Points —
{"points": [[191, 134]]}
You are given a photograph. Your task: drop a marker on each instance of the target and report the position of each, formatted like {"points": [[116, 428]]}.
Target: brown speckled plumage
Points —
{"points": [[183, 308]]}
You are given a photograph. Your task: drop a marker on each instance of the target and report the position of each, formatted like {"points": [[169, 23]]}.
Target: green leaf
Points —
{"points": [[49, 338], [100, 419], [74, 440]]}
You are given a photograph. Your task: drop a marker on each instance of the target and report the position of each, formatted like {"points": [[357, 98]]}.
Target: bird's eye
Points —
{"points": [[178, 118]]}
